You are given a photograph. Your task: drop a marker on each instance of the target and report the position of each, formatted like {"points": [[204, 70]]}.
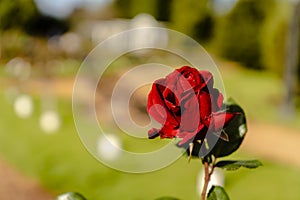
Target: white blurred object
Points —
{"points": [[70, 42], [102, 30], [109, 147], [147, 37], [57, 8], [217, 178], [50, 121], [19, 68], [70, 196], [143, 20], [53, 44], [23, 106], [63, 8]]}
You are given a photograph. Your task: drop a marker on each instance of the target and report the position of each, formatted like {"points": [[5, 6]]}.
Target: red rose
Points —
{"points": [[186, 104]]}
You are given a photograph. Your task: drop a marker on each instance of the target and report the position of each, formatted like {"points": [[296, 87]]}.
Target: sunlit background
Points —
{"points": [[254, 43]]}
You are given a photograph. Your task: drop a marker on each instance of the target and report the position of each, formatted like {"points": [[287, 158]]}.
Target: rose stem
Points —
{"points": [[206, 180]]}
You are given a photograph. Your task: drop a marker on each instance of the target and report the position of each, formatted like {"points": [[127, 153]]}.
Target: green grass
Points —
{"points": [[260, 93], [268, 182], [60, 162]]}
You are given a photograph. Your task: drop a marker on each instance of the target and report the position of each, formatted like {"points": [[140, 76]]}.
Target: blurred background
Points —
{"points": [[254, 43]]}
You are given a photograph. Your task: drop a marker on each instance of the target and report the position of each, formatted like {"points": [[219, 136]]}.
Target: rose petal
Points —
{"points": [[217, 100], [171, 101], [190, 118], [168, 131], [190, 78], [219, 120], [207, 78], [156, 106], [205, 105], [185, 102], [153, 133], [188, 137], [171, 82]]}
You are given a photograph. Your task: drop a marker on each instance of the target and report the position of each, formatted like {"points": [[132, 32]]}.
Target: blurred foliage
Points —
{"points": [[16, 13], [273, 37], [37, 50], [238, 33], [18, 45], [46, 26], [21, 23], [252, 33], [130, 8], [164, 10], [193, 18], [24, 15], [161, 10]]}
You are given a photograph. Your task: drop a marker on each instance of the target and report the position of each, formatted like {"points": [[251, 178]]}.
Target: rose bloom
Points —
{"points": [[187, 106]]}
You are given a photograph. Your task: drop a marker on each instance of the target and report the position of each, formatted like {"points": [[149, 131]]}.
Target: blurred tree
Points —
{"points": [[46, 26], [274, 36], [238, 33], [164, 10], [160, 10], [16, 13], [122, 7], [20, 20], [23, 15], [291, 61], [130, 8], [194, 18], [274, 40], [19, 44], [204, 28]]}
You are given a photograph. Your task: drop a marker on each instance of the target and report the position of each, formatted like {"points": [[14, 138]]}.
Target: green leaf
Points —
{"points": [[236, 130], [236, 164], [71, 196], [167, 198], [228, 140], [217, 193]]}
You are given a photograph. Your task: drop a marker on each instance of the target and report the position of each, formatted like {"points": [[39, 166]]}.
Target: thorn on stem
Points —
{"points": [[191, 150], [206, 144]]}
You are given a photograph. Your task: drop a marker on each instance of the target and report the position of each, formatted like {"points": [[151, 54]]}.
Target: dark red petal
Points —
{"points": [[219, 120], [183, 68], [205, 105], [207, 78], [190, 78], [156, 105], [171, 80], [168, 131], [171, 100], [190, 117], [206, 121], [153, 133], [217, 100], [220, 100], [188, 137]]}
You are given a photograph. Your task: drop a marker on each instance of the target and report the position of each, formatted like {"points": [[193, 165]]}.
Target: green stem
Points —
{"points": [[208, 170], [206, 180]]}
